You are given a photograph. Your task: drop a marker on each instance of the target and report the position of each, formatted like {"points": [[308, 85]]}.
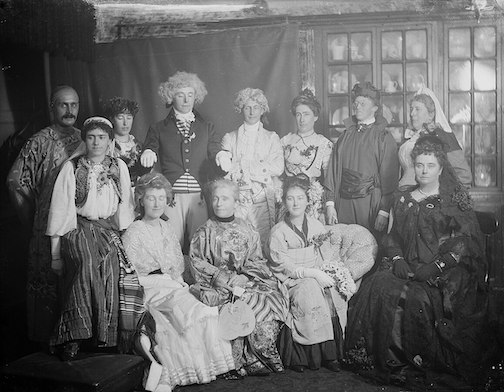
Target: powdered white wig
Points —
{"points": [[180, 80], [253, 94]]}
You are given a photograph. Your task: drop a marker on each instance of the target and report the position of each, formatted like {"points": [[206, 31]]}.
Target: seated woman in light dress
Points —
{"points": [[427, 117], [306, 151], [253, 158], [187, 341], [225, 257], [121, 112], [91, 202], [319, 268]]}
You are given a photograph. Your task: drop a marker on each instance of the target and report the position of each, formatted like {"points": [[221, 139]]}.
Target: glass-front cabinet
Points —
{"points": [[459, 58], [460, 62], [472, 73], [394, 59]]}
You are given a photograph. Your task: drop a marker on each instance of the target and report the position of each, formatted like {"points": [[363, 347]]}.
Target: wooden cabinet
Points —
{"points": [[460, 59]]}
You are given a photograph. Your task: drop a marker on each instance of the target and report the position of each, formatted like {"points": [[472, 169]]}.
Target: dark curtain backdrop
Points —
{"points": [[261, 57]]}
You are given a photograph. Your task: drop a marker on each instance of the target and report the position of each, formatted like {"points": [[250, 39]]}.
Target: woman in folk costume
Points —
{"points": [[319, 268], [186, 339], [306, 151], [253, 158], [227, 261], [91, 202], [427, 118]]}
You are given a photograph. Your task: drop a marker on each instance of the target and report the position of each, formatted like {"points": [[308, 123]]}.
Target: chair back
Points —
{"points": [[489, 225]]}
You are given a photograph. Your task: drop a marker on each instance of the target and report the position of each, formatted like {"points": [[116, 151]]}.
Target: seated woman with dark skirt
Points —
{"points": [[312, 335], [421, 317], [226, 262]]}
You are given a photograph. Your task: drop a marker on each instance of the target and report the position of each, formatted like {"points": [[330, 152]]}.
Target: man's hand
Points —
{"points": [[381, 223], [331, 215], [148, 158]]}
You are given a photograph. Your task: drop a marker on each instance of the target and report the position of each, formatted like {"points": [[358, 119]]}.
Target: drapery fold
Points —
{"points": [[261, 57]]}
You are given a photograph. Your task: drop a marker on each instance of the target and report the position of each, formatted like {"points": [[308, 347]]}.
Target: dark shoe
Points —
{"points": [[257, 368], [231, 375], [70, 351], [333, 366], [298, 368], [277, 367]]}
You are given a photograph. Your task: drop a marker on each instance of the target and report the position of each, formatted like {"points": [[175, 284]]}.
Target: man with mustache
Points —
{"points": [[30, 183]]}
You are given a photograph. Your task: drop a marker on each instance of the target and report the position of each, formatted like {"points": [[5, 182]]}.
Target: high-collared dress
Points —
{"points": [[307, 155], [221, 250]]}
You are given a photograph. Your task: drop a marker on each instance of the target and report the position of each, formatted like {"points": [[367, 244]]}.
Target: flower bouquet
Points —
{"points": [[343, 280], [334, 267]]}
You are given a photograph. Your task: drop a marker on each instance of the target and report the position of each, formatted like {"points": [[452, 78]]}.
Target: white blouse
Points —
{"points": [[102, 200]]}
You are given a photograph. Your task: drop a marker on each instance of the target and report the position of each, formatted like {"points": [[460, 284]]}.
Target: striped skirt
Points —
{"points": [[90, 290]]}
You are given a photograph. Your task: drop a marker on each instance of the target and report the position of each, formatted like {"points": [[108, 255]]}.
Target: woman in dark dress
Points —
{"points": [[425, 313]]}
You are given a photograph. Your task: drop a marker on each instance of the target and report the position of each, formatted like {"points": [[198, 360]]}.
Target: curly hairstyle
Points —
{"points": [[180, 80], [449, 184], [97, 123], [306, 97], [118, 105], [224, 183], [431, 145], [298, 181], [151, 181], [254, 94], [367, 90]]}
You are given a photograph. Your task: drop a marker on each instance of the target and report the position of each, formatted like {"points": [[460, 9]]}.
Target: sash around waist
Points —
{"points": [[355, 185]]}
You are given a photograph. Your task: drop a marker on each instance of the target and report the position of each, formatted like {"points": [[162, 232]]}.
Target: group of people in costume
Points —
{"points": [[275, 263]]}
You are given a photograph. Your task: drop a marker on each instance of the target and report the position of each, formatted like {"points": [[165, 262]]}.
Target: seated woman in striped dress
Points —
{"points": [[226, 260]]}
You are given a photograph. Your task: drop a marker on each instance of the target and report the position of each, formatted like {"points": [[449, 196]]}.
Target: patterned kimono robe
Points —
{"points": [[221, 250], [30, 183], [187, 339]]}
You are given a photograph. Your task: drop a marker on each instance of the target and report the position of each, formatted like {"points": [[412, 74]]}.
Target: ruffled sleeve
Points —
{"points": [[62, 212]]}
